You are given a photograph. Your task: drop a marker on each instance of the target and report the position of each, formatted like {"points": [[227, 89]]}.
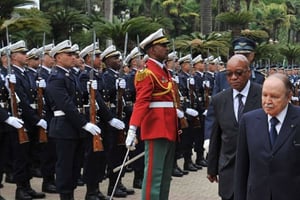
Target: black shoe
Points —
{"points": [[36, 172], [124, 189], [118, 192], [80, 182], [9, 178], [197, 166], [176, 172], [101, 196], [66, 196], [137, 183], [22, 194], [91, 197], [1, 198], [184, 172], [201, 162], [49, 187], [34, 194], [189, 167]]}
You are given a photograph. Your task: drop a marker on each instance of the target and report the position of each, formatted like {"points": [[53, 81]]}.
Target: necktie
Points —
{"points": [[241, 106], [273, 132]]}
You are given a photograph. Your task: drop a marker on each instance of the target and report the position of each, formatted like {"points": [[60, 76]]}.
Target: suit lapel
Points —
{"points": [[289, 124], [228, 105], [251, 100]]}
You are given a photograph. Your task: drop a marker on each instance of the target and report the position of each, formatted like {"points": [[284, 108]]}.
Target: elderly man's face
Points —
{"points": [[274, 96]]}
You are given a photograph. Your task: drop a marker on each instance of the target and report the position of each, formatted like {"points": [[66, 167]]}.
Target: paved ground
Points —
{"points": [[193, 186]]}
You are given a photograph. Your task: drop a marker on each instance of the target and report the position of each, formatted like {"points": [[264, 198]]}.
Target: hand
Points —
{"points": [[295, 98], [180, 114], [92, 84], [116, 123], [14, 122], [130, 139], [205, 113], [176, 79], [206, 83], [191, 81], [42, 83], [10, 78], [191, 112], [42, 123], [92, 128], [212, 178], [120, 83]]}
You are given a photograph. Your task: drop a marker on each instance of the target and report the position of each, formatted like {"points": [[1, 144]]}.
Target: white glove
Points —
{"points": [[14, 122], [206, 84], [295, 98], [10, 78], [130, 139], [176, 79], [42, 83], [92, 128], [92, 84], [192, 81], [116, 123], [121, 83], [191, 112], [42, 123], [180, 114], [205, 113]]}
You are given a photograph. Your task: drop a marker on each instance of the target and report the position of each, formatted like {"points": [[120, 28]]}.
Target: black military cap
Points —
{"points": [[243, 45]]}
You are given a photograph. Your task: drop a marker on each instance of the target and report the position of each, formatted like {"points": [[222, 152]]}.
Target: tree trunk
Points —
{"points": [[206, 16], [108, 14]]}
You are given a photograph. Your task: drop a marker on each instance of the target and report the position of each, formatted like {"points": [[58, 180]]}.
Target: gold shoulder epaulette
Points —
{"points": [[142, 74]]}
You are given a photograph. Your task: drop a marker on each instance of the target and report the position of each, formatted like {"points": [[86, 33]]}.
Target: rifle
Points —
{"points": [[195, 120], [120, 105], [22, 134], [97, 140], [40, 104], [207, 92], [183, 120]]}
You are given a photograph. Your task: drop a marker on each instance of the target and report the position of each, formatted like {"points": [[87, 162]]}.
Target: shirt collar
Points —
{"points": [[280, 116], [158, 63], [244, 92], [62, 68]]}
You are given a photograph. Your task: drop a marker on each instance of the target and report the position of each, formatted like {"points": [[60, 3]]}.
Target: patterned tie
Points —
{"points": [[241, 106], [273, 132]]}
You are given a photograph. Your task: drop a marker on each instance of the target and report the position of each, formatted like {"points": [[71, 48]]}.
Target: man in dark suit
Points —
{"points": [[268, 162], [228, 105]]}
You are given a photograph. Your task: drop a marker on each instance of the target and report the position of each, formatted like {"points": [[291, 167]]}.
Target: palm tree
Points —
{"points": [[236, 20], [206, 17], [67, 22], [217, 44]]}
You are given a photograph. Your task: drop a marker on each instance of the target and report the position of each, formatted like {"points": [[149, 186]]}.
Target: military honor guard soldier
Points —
{"points": [[155, 113], [95, 163], [112, 84], [24, 91], [69, 125]]}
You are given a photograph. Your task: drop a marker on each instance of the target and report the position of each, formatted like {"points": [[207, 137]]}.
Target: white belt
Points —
{"points": [[58, 113], [161, 104]]}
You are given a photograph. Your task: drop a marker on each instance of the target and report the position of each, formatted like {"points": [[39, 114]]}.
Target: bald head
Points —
{"points": [[238, 71], [238, 59]]}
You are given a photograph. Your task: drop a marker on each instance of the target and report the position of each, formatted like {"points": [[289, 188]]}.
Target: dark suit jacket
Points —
{"points": [[263, 172], [223, 140]]}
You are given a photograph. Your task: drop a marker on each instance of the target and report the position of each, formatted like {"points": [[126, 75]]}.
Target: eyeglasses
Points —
{"points": [[237, 73]]}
